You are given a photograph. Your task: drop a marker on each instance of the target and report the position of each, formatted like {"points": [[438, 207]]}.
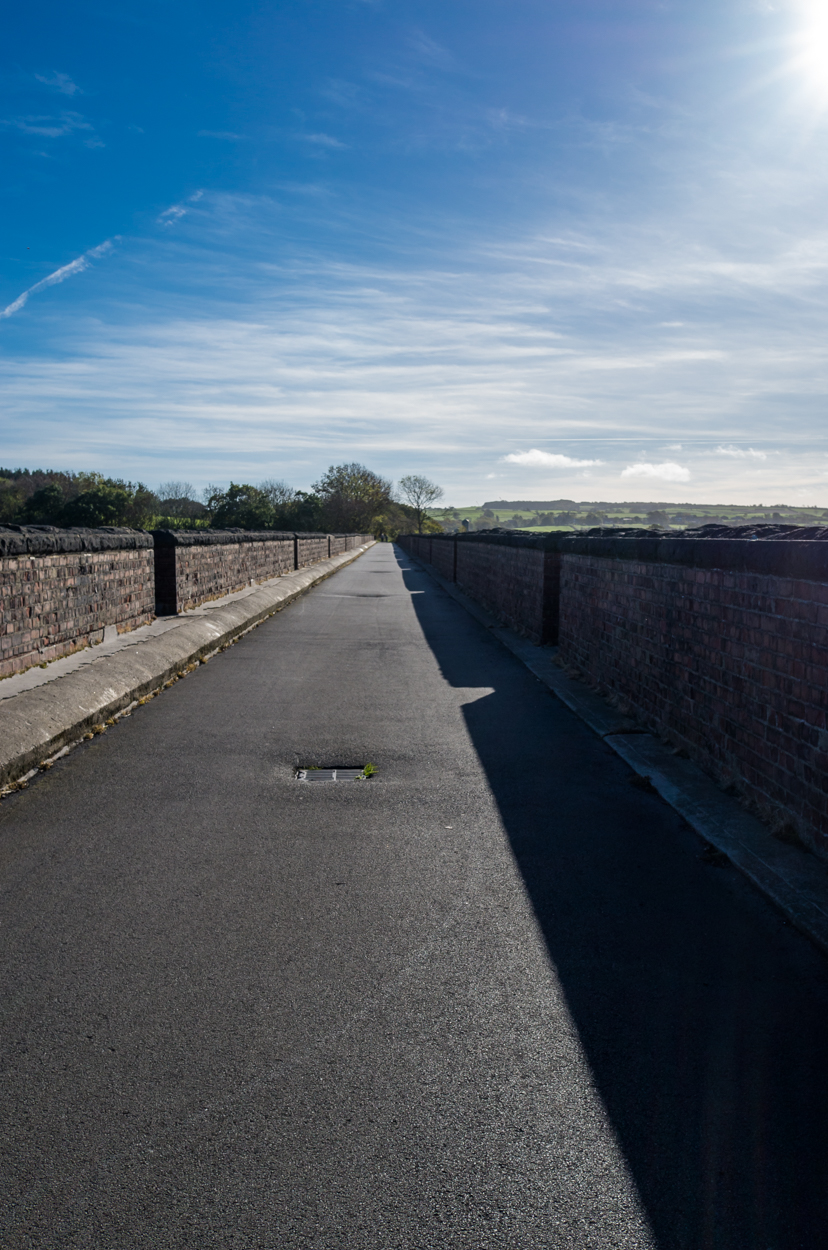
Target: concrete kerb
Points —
{"points": [[37, 726], [792, 879]]}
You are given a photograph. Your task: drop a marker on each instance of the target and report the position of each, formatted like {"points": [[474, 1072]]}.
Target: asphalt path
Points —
{"points": [[496, 996]]}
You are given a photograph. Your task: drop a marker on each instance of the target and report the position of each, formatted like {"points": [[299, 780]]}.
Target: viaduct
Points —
{"points": [[469, 891]]}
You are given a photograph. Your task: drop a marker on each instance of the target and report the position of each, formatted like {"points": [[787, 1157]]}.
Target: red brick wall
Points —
{"points": [[192, 567], [311, 549], [442, 557], [730, 665], [207, 571], [506, 579], [57, 603], [516, 579]]}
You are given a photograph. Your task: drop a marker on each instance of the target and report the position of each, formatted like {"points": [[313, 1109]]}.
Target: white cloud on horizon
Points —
{"points": [[741, 453], [547, 460], [667, 471]]}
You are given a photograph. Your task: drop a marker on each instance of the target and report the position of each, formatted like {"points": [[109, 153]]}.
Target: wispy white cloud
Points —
{"points": [[547, 460], [49, 127], [59, 82], [172, 214], [305, 356], [322, 140], [219, 134], [741, 453], [342, 93], [59, 275], [176, 211], [429, 52], [667, 471]]}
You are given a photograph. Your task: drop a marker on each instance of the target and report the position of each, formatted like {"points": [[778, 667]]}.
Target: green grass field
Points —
{"points": [[585, 516]]}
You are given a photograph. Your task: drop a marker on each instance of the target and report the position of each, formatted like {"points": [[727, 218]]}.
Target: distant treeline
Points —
{"points": [[349, 498], [594, 505]]}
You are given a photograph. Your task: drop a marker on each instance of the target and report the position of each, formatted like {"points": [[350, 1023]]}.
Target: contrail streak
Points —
{"points": [[60, 275]]}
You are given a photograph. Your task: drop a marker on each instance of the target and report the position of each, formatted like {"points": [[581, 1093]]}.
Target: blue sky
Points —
{"points": [[532, 250]]}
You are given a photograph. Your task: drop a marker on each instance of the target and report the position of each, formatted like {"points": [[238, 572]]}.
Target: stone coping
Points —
{"points": [[47, 540], [798, 552], [212, 538]]}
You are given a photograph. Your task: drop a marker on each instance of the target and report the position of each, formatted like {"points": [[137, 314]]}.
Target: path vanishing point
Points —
{"points": [[495, 996]]}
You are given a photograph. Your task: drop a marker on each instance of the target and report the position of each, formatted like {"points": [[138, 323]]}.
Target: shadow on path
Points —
{"points": [[703, 1015]]}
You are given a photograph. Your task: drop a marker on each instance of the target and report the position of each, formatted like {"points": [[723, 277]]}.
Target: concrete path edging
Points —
{"points": [[791, 878], [38, 724]]}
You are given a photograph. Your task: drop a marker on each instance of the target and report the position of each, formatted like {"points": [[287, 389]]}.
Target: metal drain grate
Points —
{"points": [[333, 774]]}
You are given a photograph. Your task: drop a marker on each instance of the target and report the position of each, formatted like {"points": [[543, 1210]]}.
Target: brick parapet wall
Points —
{"points": [[516, 576], [310, 549], [730, 665], [719, 644], [196, 566], [61, 589], [507, 580]]}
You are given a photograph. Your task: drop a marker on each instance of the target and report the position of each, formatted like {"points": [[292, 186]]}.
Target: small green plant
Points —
{"points": [[369, 771]]}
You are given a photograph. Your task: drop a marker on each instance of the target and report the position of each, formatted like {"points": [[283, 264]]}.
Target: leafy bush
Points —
{"points": [[240, 507]]}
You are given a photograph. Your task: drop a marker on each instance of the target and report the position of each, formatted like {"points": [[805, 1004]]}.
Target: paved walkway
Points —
{"points": [[493, 997]]}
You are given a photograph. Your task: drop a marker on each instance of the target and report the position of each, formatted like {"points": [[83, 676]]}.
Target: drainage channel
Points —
{"points": [[336, 774]]}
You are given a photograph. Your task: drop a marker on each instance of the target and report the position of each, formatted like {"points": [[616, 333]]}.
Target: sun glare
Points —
{"points": [[812, 49]]}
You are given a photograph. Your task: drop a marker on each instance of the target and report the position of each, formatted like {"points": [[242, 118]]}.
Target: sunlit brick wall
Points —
{"points": [[193, 567], [55, 602]]}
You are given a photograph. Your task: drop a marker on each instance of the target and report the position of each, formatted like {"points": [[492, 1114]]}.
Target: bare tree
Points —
{"points": [[278, 492], [419, 493], [175, 490]]}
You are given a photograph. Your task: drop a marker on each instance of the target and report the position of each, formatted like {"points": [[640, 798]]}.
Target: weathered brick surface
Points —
{"points": [[719, 643], [193, 567], [55, 603], [730, 665], [340, 543], [62, 587], [443, 555], [310, 549], [515, 576], [507, 580]]}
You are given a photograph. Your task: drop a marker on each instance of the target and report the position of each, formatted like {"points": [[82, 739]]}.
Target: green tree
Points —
{"points": [[44, 507], [11, 499], [105, 505], [303, 514], [352, 497], [240, 507]]}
